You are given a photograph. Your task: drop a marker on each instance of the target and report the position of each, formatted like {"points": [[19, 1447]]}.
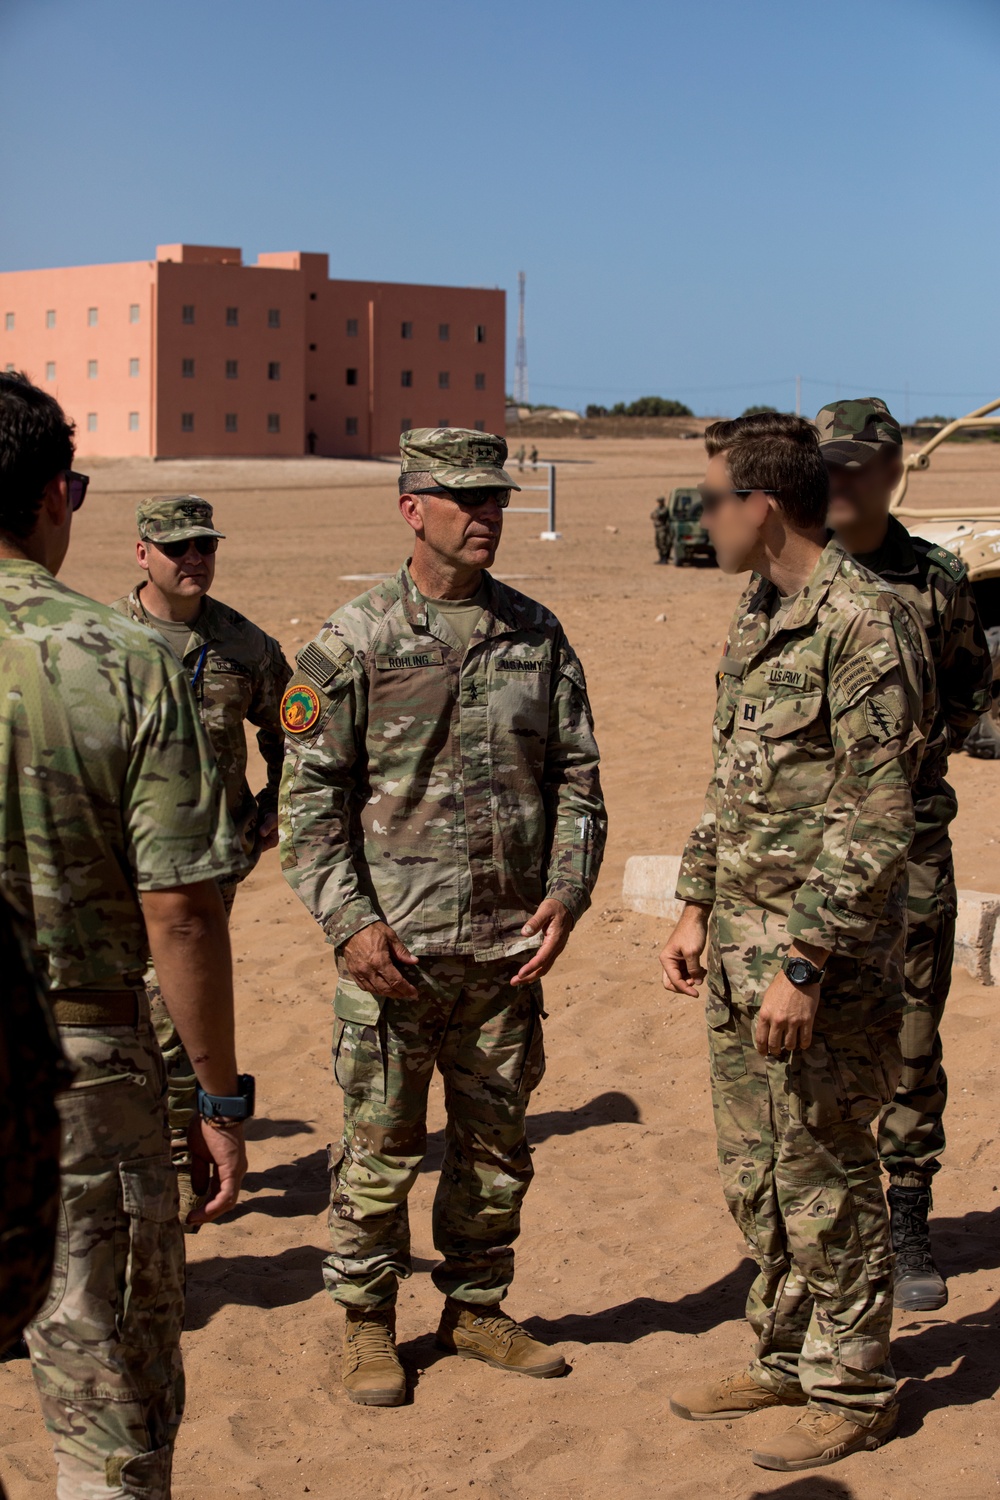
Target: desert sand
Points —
{"points": [[628, 1257]]}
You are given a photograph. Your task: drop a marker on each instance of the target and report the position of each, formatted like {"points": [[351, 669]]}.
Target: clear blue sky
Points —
{"points": [[708, 197]]}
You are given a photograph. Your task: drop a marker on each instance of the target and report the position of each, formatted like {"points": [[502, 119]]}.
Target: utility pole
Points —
{"points": [[798, 395], [521, 355]]}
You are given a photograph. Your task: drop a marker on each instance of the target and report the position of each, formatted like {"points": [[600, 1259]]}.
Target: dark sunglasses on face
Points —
{"points": [[471, 498], [712, 499], [206, 545], [76, 488]]}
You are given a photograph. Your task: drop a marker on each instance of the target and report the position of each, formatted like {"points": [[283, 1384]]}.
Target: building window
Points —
{"points": [[406, 332], [187, 421], [312, 296], [133, 368], [232, 317], [232, 369], [133, 312], [351, 427], [91, 369], [187, 313], [312, 348], [187, 369], [273, 370], [406, 377], [480, 426], [352, 328], [443, 422], [480, 382], [312, 395], [8, 322], [91, 317], [91, 421], [274, 317], [444, 332], [273, 422], [231, 422], [405, 424], [50, 370], [133, 421], [480, 333], [444, 380], [352, 377], [50, 318]]}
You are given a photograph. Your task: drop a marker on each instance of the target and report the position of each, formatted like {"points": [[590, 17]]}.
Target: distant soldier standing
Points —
{"points": [[862, 445], [520, 458], [442, 819], [238, 674], [534, 456], [662, 529], [113, 834], [796, 879]]}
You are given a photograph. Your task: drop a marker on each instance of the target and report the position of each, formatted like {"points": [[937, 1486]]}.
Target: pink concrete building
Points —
{"points": [[195, 354]]}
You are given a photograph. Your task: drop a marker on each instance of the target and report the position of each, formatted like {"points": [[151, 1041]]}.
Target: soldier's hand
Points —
{"points": [[222, 1157], [787, 1016], [372, 955], [267, 832], [681, 958], [555, 922]]}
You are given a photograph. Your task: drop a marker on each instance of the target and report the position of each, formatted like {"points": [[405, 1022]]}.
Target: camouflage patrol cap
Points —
{"points": [[174, 518], [458, 458], [851, 433]]}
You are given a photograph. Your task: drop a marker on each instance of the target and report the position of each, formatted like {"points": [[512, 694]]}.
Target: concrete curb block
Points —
{"points": [[651, 882]]}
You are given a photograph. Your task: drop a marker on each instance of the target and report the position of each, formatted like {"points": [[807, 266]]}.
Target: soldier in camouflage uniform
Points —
{"points": [[238, 674], [862, 445], [796, 878], [108, 793], [662, 529], [442, 819]]}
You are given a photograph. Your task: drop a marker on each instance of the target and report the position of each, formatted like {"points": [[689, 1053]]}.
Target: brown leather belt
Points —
{"points": [[95, 1007]]}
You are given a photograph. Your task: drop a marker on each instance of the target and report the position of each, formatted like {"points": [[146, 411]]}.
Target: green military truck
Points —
{"points": [[689, 539]]}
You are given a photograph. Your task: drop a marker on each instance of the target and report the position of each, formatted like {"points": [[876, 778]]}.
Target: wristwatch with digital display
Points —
{"points": [[801, 972], [229, 1109]]}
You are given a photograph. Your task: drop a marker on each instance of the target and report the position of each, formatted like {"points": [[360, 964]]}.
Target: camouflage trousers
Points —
{"points": [[486, 1039], [105, 1348], [911, 1129], [182, 1086], [800, 1172]]}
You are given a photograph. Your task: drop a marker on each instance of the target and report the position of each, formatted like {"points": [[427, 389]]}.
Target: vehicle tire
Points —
{"points": [[678, 559], [983, 741]]}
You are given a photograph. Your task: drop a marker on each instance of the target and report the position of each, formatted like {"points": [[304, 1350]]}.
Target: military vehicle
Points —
{"points": [[688, 537]]}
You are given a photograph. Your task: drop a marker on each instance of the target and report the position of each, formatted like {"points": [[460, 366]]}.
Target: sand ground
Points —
{"points": [[628, 1257]]}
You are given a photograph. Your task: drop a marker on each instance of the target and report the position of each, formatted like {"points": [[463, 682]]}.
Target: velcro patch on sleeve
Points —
{"points": [[854, 676], [321, 665], [300, 708]]}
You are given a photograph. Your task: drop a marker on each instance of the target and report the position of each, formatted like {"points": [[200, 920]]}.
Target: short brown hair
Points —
{"points": [[777, 452], [36, 444]]}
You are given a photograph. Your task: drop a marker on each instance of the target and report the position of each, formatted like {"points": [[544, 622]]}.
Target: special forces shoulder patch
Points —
{"points": [[300, 708], [883, 717]]}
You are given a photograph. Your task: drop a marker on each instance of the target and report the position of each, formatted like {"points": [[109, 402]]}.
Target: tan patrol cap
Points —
{"points": [[457, 457], [174, 518]]}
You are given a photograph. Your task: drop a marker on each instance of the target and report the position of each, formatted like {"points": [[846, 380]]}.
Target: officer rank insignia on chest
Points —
{"points": [[300, 708], [748, 715]]}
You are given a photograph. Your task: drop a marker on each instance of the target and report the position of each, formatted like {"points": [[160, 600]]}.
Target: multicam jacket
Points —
{"points": [[819, 728], [444, 791], [936, 583], [107, 783], [237, 673]]}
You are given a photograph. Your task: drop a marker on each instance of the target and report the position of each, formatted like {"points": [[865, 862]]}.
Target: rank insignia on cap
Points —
{"points": [[299, 709]]}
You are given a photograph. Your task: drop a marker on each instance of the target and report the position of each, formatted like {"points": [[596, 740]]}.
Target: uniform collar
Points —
{"points": [[499, 613], [896, 556], [206, 628], [811, 595]]}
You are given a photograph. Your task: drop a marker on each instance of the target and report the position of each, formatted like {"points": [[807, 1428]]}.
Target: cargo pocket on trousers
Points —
{"points": [[533, 1066], [152, 1294], [359, 1042], [726, 1055]]}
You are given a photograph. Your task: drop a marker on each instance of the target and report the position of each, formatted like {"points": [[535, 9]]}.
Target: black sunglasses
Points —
{"points": [[472, 498], [206, 545], [712, 499], [76, 488]]}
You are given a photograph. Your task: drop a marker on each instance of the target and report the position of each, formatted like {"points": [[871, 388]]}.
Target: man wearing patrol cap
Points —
{"points": [[238, 674], [862, 445], [442, 819]]}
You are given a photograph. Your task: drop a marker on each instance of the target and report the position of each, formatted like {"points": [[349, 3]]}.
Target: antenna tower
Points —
{"points": [[521, 356]]}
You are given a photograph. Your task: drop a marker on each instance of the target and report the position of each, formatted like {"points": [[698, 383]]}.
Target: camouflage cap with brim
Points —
{"points": [[456, 457], [852, 433], [174, 518]]}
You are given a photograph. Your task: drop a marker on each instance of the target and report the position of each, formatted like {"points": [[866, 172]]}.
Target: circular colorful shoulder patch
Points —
{"points": [[299, 709]]}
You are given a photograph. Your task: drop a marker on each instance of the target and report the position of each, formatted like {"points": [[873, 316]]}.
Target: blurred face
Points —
{"points": [[860, 497], [462, 527], [733, 521], [186, 577]]}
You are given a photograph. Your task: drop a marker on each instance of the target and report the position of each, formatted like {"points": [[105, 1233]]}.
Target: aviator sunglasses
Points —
{"points": [[76, 488], [712, 499], [473, 498], [206, 545]]}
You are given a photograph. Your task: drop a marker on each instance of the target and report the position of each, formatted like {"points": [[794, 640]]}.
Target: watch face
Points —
{"points": [[801, 971]]}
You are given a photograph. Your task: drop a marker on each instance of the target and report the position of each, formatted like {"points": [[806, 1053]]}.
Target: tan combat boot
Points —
{"points": [[373, 1375], [822, 1437], [732, 1396], [487, 1333]]}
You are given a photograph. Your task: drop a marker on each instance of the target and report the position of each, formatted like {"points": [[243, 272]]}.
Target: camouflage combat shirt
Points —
{"points": [[238, 673], [107, 784], [445, 791], [822, 713], [936, 583]]}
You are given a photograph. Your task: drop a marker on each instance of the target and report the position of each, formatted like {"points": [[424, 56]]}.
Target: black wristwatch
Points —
{"points": [[801, 971], [229, 1106]]}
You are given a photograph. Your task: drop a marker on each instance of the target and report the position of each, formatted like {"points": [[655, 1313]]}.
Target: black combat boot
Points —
{"points": [[919, 1285]]}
